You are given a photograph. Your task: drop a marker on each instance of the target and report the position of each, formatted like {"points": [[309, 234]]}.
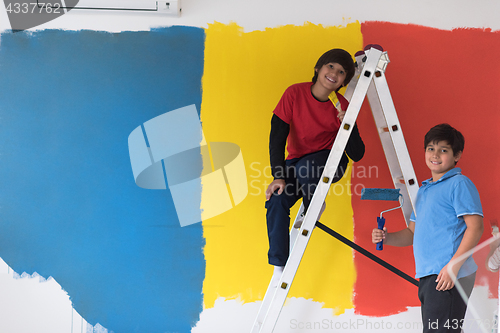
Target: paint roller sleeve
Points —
{"points": [[380, 194]]}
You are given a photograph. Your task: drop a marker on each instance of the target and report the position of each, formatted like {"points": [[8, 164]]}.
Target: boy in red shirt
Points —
{"points": [[306, 122]]}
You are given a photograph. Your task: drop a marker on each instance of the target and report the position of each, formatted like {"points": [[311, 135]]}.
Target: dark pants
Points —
{"points": [[443, 311], [302, 176]]}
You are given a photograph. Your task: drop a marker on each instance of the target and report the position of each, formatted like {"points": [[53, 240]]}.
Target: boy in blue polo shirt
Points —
{"points": [[447, 222]]}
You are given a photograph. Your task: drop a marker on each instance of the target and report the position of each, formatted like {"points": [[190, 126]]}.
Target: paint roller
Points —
{"points": [[492, 259], [382, 194], [494, 227]]}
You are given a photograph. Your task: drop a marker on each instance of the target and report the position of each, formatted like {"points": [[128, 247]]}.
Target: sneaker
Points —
{"points": [[300, 219]]}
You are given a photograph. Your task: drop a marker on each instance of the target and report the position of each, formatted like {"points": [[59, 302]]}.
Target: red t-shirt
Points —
{"points": [[313, 124]]}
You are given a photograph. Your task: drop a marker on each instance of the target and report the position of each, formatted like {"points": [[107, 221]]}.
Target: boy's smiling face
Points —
{"points": [[440, 158], [331, 76]]}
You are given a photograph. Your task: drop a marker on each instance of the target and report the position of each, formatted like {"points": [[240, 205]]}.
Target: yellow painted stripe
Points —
{"points": [[245, 76]]}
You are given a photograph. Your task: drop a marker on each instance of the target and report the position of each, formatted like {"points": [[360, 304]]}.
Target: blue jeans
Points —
{"points": [[301, 178]]}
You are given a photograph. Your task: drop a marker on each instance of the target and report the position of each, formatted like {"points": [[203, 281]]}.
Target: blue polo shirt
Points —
{"points": [[439, 226]]}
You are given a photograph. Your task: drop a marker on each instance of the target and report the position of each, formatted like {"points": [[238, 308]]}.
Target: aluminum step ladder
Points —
{"points": [[369, 81]]}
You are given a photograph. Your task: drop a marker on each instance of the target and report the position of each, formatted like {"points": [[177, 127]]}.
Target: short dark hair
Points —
{"points": [[338, 56], [445, 132]]}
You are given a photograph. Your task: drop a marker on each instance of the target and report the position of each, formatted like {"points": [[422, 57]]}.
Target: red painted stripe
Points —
{"points": [[434, 76]]}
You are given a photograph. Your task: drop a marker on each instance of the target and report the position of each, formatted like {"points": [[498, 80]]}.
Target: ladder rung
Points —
{"points": [[401, 180], [386, 129]]}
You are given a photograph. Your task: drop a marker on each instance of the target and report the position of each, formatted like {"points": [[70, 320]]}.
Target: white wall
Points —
{"points": [[259, 14]]}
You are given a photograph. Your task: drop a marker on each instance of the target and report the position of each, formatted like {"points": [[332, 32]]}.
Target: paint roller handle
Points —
{"points": [[380, 223]]}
